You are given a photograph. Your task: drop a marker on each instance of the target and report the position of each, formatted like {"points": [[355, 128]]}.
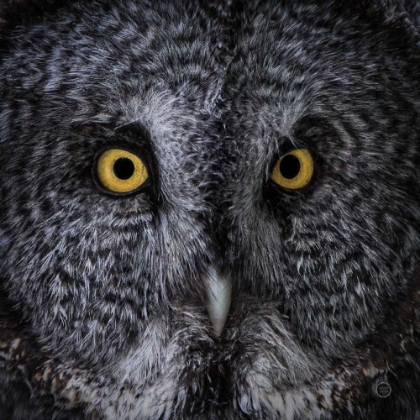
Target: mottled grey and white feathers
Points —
{"points": [[211, 293]]}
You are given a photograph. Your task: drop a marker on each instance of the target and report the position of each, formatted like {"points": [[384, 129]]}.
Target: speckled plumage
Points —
{"points": [[103, 304]]}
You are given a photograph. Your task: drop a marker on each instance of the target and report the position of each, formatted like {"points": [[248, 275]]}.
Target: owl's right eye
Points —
{"points": [[294, 170], [120, 171]]}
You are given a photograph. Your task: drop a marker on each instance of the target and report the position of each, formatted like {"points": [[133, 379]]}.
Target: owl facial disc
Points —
{"points": [[219, 297]]}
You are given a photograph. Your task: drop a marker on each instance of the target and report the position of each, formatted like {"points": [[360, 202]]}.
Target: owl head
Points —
{"points": [[210, 209]]}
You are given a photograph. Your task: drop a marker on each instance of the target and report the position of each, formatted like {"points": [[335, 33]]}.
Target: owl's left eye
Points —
{"points": [[294, 170], [120, 171]]}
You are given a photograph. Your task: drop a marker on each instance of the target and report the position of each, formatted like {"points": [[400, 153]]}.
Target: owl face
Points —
{"points": [[211, 210]]}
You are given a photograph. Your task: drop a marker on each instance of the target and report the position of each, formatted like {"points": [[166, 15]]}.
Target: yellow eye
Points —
{"points": [[121, 171], [293, 170]]}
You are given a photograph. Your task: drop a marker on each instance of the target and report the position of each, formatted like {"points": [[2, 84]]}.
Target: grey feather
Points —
{"points": [[104, 298]]}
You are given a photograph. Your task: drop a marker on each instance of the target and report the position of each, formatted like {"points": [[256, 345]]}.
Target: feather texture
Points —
{"points": [[109, 304]]}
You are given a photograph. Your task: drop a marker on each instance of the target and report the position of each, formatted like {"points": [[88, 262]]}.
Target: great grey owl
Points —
{"points": [[209, 209]]}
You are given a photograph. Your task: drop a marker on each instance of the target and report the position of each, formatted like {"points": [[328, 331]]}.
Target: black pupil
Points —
{"points": [[290, 166], [123, 168]]}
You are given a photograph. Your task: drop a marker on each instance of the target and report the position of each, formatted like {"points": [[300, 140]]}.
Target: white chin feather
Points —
{"points": [[218, 303]]}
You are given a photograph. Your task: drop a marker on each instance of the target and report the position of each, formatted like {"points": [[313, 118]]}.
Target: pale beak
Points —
{"points": [[218, 300]]}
